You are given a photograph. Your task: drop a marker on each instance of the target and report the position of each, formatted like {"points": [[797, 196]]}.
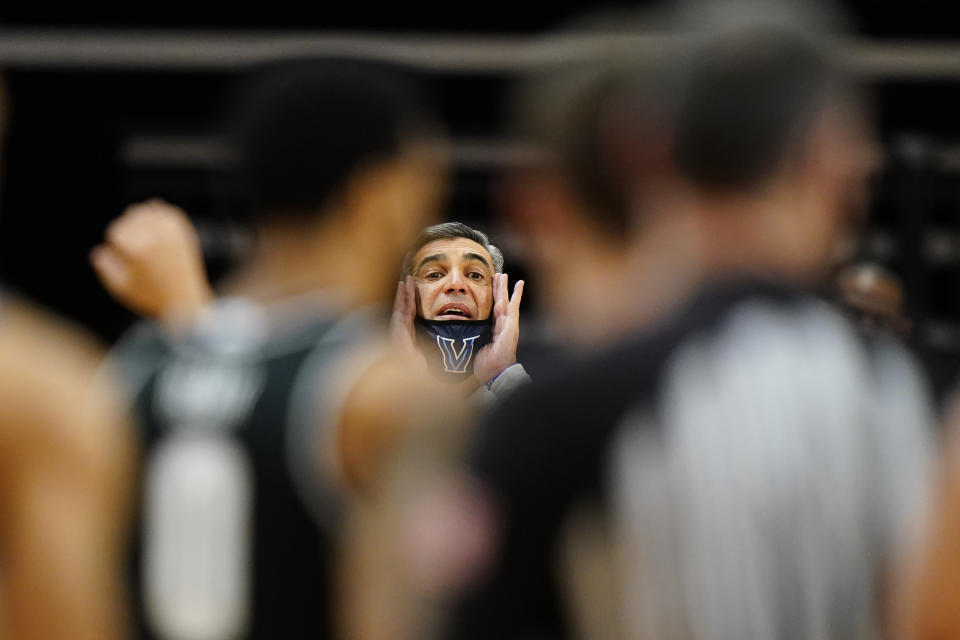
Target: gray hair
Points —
{"points": [[446, 230]]}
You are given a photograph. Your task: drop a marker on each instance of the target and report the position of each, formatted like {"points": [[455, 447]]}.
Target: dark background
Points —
{"points": [[68, 170]]}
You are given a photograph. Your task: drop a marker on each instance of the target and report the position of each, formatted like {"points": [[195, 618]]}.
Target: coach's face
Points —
{"points": [[454, 277]]}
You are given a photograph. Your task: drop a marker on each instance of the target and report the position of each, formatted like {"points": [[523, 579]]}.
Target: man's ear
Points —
{"points": [[635, 151], [373, 202], [368, 187], [536, 203]]}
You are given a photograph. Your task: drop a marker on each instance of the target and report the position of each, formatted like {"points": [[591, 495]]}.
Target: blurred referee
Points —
{"points": [[750, 468]]}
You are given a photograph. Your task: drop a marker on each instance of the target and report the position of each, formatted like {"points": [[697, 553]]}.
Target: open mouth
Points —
{"points": [[454, 312]]}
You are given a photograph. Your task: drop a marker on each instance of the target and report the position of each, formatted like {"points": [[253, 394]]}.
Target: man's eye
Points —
{"points": [[475, 275], [434, 276]]}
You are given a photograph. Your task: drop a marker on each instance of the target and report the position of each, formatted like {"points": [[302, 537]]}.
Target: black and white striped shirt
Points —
{"points": [[758, 462]]}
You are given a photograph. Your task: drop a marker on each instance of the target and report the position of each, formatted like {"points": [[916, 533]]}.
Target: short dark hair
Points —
{"points": [[752, 95], [302, 128], [447, 230], [570, 111]]}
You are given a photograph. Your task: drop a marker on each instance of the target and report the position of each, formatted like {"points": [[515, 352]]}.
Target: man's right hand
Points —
{"points": [[151, 262], [403, 334]]}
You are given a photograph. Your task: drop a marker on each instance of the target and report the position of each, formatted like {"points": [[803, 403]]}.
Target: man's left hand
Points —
{"points": [[501, 353]]}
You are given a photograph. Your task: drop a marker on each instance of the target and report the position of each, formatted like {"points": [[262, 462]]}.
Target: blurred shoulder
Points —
{"points": [[48, 377], [31, 339]]}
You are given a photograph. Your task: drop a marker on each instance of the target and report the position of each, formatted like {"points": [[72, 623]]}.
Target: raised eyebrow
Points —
{"points": [[436, 257], [477, 256]]}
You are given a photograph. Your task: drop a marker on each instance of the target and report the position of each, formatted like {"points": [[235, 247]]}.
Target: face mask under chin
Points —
{"points": [[450, 346]]}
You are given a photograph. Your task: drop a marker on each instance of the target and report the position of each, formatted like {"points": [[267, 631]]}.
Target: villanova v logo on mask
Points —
{"points": [[456, 361], [451, 345]]}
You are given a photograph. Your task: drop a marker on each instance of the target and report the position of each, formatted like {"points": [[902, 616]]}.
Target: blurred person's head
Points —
{"points": [[873, 296], [777, 148], [453, 267], [342, 146], [582, 119], [603, 175]]}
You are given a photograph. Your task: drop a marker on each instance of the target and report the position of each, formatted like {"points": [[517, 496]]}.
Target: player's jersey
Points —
{"points": [[238, 519], [755, 460]]}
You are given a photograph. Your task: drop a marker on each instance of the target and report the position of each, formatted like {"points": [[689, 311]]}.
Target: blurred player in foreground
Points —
{"points": [[64, 464], [259, 412], [747, 469], [450, 266]]}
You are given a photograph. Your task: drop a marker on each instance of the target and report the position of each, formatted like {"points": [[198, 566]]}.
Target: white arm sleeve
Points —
{"points": [[509, 380]]}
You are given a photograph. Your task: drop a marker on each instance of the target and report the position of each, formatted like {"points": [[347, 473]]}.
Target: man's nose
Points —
{"points": [[456, 282]]}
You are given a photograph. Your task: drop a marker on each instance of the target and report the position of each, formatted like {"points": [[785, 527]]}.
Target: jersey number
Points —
{"points": [[197, 538]]}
